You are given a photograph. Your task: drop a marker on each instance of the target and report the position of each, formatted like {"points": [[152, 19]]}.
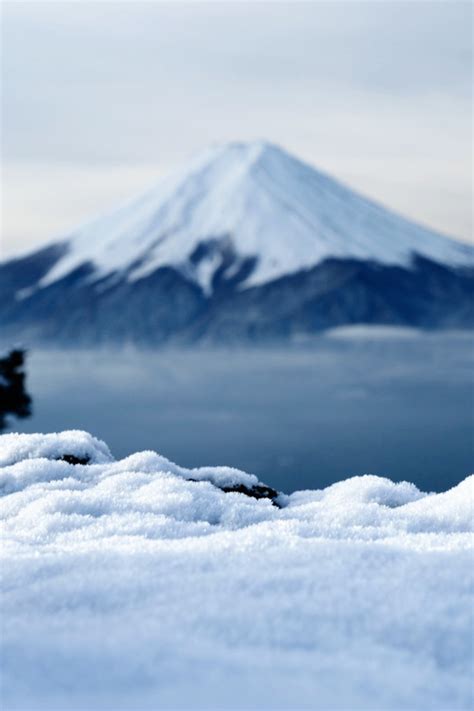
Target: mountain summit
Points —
{"points": [[239, 222], [241, 202]]}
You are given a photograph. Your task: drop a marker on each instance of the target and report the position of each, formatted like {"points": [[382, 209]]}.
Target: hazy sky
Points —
{"points": [[101, 98]]}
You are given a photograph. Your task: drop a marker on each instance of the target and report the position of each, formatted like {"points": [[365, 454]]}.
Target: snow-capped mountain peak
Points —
{"points": [[252, 210]]}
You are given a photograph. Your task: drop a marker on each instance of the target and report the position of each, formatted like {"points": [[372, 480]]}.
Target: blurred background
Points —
{"points": [[102, 99]]}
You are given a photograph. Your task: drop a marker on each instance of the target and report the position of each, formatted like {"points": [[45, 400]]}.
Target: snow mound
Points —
{"points": [[141, 584], [18, 447]]}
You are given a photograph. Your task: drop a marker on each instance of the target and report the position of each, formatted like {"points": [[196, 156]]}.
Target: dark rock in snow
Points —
{"points": [[72, 459], [257, 491]]}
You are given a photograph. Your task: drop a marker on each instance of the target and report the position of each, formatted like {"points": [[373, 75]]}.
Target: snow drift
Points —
{"points": [[140, 584]]}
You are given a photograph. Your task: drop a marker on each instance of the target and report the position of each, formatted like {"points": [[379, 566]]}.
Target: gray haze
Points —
{"points": [[398, 406], [101, 98]]}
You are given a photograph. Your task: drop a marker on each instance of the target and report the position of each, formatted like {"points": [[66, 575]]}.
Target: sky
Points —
{"points": [[100, 99]]}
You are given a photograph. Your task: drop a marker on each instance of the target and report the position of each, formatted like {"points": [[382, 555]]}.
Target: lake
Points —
{"points": [[393, 403]]}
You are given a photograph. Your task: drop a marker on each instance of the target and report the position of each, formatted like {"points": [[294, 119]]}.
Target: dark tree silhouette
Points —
{"points": [[14, 400]]}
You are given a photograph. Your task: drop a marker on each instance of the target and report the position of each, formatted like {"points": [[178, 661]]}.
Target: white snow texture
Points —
{"points": [[127, 586], [259, 202]]}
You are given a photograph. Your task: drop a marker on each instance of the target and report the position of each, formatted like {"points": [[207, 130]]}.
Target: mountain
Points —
{"points": [[246, 243]]}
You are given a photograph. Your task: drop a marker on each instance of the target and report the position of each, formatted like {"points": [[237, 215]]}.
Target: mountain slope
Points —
{"points": [[245, 242]]}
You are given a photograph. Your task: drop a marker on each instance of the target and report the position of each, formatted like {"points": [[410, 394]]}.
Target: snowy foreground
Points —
{"points": [[127, 586]]}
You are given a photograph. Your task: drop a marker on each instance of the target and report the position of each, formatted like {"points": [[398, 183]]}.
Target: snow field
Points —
{"points": [[125, 585]]}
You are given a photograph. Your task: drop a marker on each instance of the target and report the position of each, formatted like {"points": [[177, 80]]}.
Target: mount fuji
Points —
{"points": [[244, 244]]}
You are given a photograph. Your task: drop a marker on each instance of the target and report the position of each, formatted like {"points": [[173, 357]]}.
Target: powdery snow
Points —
{"points": [[127, 586], [259, 202]]}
